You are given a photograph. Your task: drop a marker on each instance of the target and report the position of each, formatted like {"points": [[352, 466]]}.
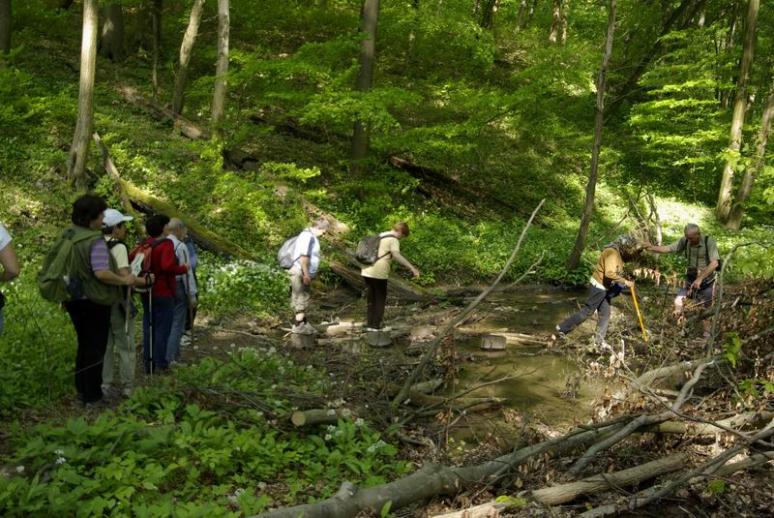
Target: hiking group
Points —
{"points": [[608, 280], [92, 272], [300, 256]]}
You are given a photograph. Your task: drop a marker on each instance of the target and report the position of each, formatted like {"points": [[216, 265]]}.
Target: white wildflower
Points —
{"points": [[19, 469], [328, 437], [61, 460], [359, 421]]}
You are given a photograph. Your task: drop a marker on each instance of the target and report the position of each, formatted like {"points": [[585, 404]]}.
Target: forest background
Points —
{"points": [[469, 113]]}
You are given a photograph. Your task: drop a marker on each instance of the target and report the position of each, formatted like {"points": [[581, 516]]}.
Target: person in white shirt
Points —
{"points": [[376, 275], [185, 292], [10, 264], [121, 335], [306, 254]]}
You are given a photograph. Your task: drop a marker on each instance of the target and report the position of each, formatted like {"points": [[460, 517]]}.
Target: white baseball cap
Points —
{"points": [[113, 218]]}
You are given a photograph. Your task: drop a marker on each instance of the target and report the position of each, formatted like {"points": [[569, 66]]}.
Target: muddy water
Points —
{"points": [[547, 385]]}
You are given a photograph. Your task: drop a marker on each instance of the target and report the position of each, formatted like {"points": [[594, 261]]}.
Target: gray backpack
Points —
{"points": [[285, 255], [367, 251]]}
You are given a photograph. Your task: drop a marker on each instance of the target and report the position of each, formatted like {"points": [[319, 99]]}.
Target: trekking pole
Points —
{"points": [[639, 315], [128, 309], [150, 321]]}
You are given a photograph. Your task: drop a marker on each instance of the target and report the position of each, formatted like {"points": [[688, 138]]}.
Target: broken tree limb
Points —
{"points": [[449, 327], [186, 127], [315, 416], [432, 480], [563, 493], [637, 423], [714, 467], [710, 428], [203, 237], [751, 462], [112, 172]]}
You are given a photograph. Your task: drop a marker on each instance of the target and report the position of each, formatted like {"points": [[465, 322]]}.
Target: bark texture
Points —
{"points": [[112, 33], [725, 194], [599, 120], [556, 21], [156, 8], [221, 70], [186, 48], [76, 163], [737, 211], [365, 77]]}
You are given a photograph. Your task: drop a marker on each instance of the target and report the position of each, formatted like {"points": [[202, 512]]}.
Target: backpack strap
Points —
{"points": [[388, 253]]}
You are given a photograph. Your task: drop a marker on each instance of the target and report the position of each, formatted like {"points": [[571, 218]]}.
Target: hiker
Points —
{"points": [[159, 304], [92, 288], [191, 316], [185, 289], [10, 264], [703, 259], [376, 275], [607, 282], [306, 261]]}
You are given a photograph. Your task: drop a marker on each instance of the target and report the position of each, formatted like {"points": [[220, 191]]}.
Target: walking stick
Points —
{"points": [[639, 315]]}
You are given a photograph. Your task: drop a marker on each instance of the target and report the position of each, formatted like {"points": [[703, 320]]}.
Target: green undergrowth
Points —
{"points": [[210, 440]]}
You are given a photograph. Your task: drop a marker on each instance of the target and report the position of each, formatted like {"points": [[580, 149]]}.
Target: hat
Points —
{"points": [[113, 218]]}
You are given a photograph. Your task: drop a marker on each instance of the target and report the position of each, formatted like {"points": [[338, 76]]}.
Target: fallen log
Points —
{"points": [[715, 467], [396, 286], [710, 428], [185, 126], [563, 493], [315, 416], [433, 480], [112, 172], [207, 239]]}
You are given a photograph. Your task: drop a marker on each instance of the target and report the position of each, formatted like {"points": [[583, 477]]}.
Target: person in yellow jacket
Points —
{"points": [[607, 282]]}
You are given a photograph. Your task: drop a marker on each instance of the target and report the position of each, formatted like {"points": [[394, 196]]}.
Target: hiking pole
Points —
{"points": [[150, 321], [639, 315]]}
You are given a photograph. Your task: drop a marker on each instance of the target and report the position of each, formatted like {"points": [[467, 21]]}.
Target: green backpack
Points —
{"points": [[56, 281]]}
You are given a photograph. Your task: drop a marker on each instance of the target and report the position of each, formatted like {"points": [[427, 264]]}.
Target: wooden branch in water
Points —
{"points": [[448, 328]]}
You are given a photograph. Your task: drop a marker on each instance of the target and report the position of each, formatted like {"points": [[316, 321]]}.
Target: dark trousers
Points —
{"points": [[159, 317], [599, 301], [92, 325], [376, 294]]}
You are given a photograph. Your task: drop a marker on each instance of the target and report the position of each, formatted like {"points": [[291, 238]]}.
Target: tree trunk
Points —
{"points": [[5, 26], [725, 194], [488, 8], [65, 4], [365, 77], [315, 416], [112, 34], [189, 38], [599, 120], [556, 21], [156, 8], [76, 163], [565, 21], [735, 218], [221, 70]]}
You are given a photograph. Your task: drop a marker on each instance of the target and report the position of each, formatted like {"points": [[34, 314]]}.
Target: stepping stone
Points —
{"points": [[493, 342], [302, 341], [378, 338]]}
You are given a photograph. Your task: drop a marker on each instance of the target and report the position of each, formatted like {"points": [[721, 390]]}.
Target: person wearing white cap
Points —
{"points": [[121, 337]]}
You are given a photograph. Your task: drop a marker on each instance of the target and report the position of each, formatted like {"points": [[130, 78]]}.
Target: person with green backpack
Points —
{"points": [[80, 273]]}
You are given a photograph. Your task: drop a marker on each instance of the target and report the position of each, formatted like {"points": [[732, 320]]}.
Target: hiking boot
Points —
{"points": [[185, 340]]}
